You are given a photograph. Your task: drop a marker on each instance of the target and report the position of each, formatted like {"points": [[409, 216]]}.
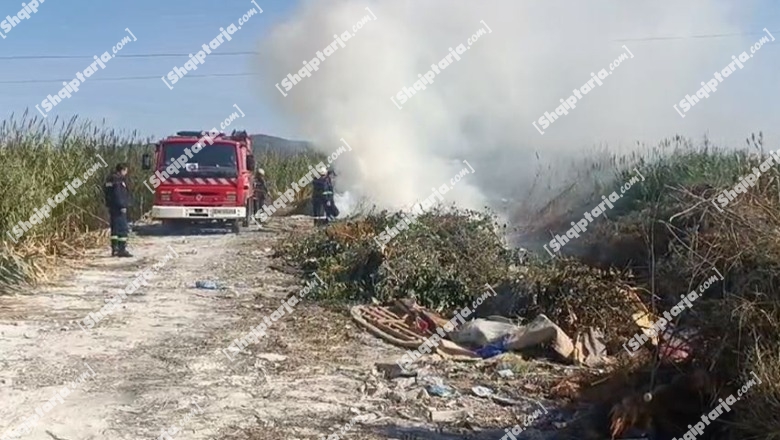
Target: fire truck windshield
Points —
{"points": [[218, 160]]}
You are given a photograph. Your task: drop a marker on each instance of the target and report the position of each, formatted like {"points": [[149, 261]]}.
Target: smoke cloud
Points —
{"points": [[481, 108]]}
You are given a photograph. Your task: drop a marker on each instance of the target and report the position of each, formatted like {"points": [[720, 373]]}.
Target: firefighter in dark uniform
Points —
{"points": [[261, 190], [331, 211], [117, 201], [319, 187], [322, 204]]}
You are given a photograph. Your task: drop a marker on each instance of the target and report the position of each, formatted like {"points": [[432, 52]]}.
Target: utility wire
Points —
{"points": [[682, 37], [137, 55], [121, 78], [242, 53]]}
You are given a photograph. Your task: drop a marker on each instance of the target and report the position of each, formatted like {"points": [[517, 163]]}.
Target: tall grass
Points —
{"points": [[38, 158], [669, 234], [563, 190]]}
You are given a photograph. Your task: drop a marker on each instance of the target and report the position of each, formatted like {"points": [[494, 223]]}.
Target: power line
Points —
{"points": [[239, 53], [121, 78], [682, 37], [243, 53], [137, 55]]}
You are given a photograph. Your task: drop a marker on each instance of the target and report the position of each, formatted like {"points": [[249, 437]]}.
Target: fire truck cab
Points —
{"points": [[213, 185]]}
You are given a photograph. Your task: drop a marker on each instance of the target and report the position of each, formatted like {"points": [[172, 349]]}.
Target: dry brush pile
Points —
{"points": [[661, 241]]}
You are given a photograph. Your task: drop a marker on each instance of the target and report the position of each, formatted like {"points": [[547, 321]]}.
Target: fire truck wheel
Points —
{"points": [[236, 226], [172, 225]]}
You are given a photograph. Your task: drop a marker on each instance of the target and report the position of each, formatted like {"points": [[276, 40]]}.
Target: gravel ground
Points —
{"points": [[156, 363]]}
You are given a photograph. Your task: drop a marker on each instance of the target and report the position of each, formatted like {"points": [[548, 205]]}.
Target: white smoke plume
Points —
{"points": [[481, 108]]}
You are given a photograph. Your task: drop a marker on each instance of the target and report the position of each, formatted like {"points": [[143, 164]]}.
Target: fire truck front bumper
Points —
{"points": [[198, 212]]}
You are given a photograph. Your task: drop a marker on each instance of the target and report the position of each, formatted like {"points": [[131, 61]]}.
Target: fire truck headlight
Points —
{"points": [[231, 197], [165, 196]]}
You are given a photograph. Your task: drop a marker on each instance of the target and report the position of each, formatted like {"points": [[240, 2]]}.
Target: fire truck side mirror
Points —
{"points": [[250, 162], [146, 162]]}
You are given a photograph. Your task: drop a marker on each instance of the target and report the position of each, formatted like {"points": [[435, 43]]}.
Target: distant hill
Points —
{"points": [[262, 143]]}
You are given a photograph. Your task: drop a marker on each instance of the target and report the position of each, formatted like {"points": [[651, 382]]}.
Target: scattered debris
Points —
{"points": [[506, 373], [448, 416], [404, 330], [482, 391], [481, 332], [207, 285], [392, 371], [272, 357], [440, 390], [405, 324], [505, 401]]}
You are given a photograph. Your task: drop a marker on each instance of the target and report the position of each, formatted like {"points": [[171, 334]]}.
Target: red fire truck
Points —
{"points": [[213, 185]]}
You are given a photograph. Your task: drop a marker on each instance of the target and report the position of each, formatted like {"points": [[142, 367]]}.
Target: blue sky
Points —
{"points": [[89, 27]]}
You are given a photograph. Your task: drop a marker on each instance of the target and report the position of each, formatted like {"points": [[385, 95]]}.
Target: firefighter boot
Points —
{"points": [[114, 247], [122, 250]]}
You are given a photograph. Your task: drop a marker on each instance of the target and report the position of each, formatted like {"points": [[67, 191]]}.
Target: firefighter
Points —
{"points": [[319, 189], [261, 190], [331, 211], [117, 196]]}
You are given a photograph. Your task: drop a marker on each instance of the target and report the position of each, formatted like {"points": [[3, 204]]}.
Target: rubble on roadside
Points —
{"points": [[556, 328]]}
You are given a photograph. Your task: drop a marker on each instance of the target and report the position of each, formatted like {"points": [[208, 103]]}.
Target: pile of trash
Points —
{"points": [[563, 310], [405, 324], [447, 256], [602, 389]]}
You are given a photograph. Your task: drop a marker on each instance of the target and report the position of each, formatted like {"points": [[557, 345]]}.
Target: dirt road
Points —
{"points": [[156, 362]]}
